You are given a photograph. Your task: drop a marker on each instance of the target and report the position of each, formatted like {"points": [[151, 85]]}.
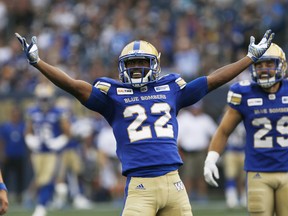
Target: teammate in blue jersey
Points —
{"points": [[142, 110], [262, 106], [47, 131]]}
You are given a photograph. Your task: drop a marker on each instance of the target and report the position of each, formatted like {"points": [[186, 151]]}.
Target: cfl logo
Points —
{"points": [[179, 185]]}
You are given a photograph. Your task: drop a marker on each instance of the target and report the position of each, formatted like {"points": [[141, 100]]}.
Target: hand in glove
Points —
{"points": [[255, 51], [210, 168], [30, 50]]}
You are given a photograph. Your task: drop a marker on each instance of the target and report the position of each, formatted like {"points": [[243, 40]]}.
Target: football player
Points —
{"points": [[46, 133], [233, 162], [142, 110], [262, 106]]}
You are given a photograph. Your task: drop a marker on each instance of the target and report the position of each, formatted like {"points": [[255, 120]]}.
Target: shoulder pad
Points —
{"points": [[234, 98], [103, 86], [173, 77], [181, 82], [237, 90]]}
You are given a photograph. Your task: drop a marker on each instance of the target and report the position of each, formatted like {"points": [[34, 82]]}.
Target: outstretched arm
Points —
{"points": [[78, 88], [228, 72], [218, 142]]}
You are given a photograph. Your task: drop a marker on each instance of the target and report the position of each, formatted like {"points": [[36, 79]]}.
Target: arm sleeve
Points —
{"points": [[193, 92]]}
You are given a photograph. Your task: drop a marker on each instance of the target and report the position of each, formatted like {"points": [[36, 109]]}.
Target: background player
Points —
{"points": [[142, 111], [46, 133], [233, 163], [262, 105]]}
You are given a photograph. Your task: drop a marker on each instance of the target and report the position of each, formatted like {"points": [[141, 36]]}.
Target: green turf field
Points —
{"points": [[213, 208]]}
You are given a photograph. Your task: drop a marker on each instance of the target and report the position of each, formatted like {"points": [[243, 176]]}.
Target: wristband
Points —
{"points": [[3, 187]]}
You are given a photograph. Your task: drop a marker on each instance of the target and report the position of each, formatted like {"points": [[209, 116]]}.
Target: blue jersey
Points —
{"points": [[265, 117], [144, 120], [13, 136], [46, 125]]}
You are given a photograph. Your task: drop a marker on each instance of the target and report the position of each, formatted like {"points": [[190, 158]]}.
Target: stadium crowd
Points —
{"points": [[84, 37]]}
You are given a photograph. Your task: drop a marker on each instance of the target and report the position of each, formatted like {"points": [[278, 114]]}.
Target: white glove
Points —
{"points": [[57, 143], [210, 168], [33, 142], [255, 51], [31, 51]]}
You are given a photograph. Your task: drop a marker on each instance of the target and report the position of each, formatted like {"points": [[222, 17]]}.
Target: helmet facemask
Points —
{"points": [[267, 77], [141, 74]]}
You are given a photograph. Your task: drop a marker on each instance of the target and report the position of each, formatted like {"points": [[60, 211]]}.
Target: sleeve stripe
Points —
{"points": [[234, 98]]}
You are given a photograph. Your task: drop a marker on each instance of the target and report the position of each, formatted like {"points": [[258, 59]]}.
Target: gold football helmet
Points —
{"points": [[273, 53], [44, 94], [134, 51]]}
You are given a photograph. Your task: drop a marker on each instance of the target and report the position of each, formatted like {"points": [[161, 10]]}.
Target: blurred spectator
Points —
{"points": [[13, 160], [83, 32], [195, 130], [110, 168]]}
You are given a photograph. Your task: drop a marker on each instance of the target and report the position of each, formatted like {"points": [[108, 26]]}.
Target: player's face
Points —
{"points": [[266, 69], [45, 103], [137, 66]]}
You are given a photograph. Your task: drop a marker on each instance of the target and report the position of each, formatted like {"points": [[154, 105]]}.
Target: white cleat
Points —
{"points": [[81, 202], [40, 211]]}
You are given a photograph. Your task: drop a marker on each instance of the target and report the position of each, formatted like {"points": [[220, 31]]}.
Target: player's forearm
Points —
{"points": [[78, 88], [218, 141], [227, 73], [55, 75]]}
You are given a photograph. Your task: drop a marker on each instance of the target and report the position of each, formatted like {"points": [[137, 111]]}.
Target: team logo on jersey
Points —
{"points": [[234, 98], [272, 97], [144, 89], [180, 82], [162, 88], [124, 91], [285, 99], [179, 185], [255, 102], [103, 86]]}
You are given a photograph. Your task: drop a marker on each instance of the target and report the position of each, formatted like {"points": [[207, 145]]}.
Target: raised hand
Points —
{"points": [[30, 50], [255, 51]]}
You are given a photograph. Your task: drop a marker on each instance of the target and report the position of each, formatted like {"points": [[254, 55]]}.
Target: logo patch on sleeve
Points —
{"points": [[103, 86], [234, 98], [181, 82], [124, 91]]}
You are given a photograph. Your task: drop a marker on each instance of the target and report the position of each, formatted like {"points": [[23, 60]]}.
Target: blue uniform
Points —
{"points": [[144, 120], [46, 125], [265, 117]]}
